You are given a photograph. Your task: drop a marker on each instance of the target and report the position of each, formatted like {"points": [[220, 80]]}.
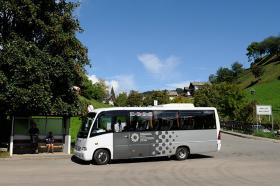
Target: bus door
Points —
{"points": [[141, 137], [121, 136]]}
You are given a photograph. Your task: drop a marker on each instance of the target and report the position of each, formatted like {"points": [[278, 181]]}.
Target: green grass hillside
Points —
{"points": [[271, 73], [267, 94], [267, 89]]}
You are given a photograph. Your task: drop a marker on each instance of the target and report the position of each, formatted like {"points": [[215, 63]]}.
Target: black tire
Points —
{"points": [[182, 153], [101, 157]]}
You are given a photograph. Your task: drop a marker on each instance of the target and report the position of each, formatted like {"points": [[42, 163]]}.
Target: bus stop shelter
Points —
{"points": [[20, 138]]}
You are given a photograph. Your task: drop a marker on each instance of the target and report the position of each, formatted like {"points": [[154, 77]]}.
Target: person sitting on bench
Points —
{"points": [[50, 142]]}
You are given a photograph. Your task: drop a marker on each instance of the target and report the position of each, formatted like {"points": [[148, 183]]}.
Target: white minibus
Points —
{"points": [[136, 132]]}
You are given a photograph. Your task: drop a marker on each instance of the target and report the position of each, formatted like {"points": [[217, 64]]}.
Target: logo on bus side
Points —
{"points": [[134, 137]]}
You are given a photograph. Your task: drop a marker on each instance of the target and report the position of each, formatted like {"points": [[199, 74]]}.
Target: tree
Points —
{"points": [[134, 99], [182, 99], [269, 46], [121, 100], [112, 94], [227, 98], [253, 51], [41, 58], [160, 96], [237, 68], [248, 112], [212, 78], [225, 75], [257, 71], [179, 91]]}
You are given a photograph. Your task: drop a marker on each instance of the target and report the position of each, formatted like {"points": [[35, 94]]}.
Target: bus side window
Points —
{"points": [[120, 122], [104, 122], [209, 120], [166, 120], [141, 121], [197, 120], [187, 121]]}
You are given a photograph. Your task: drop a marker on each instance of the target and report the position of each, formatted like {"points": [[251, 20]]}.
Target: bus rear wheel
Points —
{"points": [[101, 157], [182, 153]]}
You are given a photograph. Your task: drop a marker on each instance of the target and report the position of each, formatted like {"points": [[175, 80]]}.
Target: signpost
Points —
{"points": [[264, 110], [155, 102]]}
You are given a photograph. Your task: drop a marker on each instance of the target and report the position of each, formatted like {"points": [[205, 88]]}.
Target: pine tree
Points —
{"points": [[113, 96]]}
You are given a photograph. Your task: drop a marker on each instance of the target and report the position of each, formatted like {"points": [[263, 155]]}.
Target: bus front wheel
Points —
{"points": [[101, 157], [182, 153]]}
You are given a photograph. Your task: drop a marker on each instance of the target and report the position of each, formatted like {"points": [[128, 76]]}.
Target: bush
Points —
{"points": [[4, 154], [265, 134]]}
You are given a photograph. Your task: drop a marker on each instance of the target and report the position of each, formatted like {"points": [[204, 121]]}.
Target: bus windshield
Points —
{"points": [[85, 127]]}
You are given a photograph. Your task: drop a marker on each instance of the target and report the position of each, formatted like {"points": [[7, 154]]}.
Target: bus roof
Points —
{"points": [[158, 107]]}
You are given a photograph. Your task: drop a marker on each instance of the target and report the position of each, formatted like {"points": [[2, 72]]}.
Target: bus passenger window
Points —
{"points": [[120, 126], [120, 122], [141, 121], [166, 120], [104, 122], [197, 120]]}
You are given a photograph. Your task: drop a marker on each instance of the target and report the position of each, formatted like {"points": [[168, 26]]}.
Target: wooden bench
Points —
{"points": [[57, 147], [24, 146]]}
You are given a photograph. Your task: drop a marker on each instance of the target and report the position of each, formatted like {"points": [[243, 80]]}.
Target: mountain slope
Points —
{"points": [[265, 91]]}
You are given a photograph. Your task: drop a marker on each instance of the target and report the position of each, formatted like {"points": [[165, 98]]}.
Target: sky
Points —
{"points": [[165, 44]]}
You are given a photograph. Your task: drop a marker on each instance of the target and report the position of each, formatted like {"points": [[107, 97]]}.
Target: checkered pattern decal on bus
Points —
{"points": [[164, 143]]}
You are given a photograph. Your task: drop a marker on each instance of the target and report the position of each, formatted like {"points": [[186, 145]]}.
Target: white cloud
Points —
{"points": [[121, 83], [93, 78], [160, 68], [112, 83]]}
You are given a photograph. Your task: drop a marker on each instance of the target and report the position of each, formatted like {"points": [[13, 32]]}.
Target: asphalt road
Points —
{"points": [[240, 162]]}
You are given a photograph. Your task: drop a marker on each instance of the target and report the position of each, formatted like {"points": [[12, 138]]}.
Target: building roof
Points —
{"points": [[172, 93]]}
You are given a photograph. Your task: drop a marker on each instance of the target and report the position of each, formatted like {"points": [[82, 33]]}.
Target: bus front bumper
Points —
{"points": [[82, 155]]}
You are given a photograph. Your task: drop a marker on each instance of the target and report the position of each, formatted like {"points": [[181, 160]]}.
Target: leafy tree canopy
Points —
{"points": [[121, 100], [257, 71], [134, 99], [268, 46], [227, 98], [237, 68], [182, 99], [97, 91], [40, 57], [160, 96], [226, 74]]}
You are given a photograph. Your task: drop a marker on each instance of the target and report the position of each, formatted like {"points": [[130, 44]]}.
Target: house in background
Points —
{"points": [[172, 94], [194, 86]]}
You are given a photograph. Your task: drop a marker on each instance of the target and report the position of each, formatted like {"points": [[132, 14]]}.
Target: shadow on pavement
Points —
{"points": [[79, 161], [140, 160], [157, 159], [199, 156]]}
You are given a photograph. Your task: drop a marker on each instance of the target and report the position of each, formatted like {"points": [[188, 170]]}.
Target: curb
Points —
{"points": [[250, 136], [37, 157]]}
